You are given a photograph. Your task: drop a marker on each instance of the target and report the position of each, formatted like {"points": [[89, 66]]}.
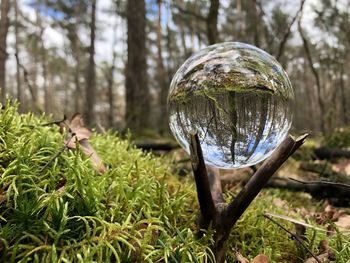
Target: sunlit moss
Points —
{"points": [[136, 211]]}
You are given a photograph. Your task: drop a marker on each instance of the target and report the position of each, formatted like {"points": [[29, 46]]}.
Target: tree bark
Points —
{"points": [[344, 107], [212, 22], [18, 69], [4, 25], [316, 75], [91, 71], [76, 53], [161, 75], [47, 95], [110, 84], [255, 19], [137, 93]]}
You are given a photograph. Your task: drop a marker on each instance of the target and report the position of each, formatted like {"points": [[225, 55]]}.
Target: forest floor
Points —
{"points": [[69, 195]]}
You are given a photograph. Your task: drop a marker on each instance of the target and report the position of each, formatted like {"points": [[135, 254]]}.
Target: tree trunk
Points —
{"points": [[137, 93], [91, 73], [320, 100], [212, 22], [76, 51], [183, 39], [110, 85], [256, 25], [161, 75], [43, 57], [4, 25], [18, 69], [343, 95]]}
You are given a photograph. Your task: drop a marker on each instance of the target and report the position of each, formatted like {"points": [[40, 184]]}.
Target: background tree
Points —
{"points": [[4, 26], [137, 93], [91, 71], [52, 60]]}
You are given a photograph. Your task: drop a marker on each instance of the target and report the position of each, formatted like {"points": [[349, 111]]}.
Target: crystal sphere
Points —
{"points": [[237, 98]]}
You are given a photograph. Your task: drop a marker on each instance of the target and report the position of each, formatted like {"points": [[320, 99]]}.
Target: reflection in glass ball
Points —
{"points": [[237, 98]]}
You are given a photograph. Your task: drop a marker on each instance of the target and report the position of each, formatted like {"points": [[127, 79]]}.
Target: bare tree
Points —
{"points": [[161, 73], [320, 99], [137, 93], [212, 22], [91, 71], [4, 26], [18, 69]]}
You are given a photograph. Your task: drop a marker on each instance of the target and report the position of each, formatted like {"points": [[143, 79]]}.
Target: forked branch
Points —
{"points": [[213, 209]]}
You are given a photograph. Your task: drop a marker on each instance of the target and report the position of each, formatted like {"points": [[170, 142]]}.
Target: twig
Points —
{"points": [[65, 146], [294, 237], [206, 203], [55, 122], [321, 183]]}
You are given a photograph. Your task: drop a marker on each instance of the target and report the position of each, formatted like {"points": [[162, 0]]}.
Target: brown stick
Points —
{"points": [[224, 218], [261, 177], [206, 203]]}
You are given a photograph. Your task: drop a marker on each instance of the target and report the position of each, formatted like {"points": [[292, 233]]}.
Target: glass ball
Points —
{"points": [[237, 98]]}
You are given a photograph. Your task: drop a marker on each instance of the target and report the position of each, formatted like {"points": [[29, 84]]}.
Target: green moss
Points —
{"points": [[136, 211], [339, 138]]}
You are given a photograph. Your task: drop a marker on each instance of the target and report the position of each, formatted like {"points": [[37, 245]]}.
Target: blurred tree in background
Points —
{"points": [[113, 60]]}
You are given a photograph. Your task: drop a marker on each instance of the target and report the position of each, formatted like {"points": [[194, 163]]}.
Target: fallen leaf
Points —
{"points": [[343, 222], [240, 258], [280, 203], [325, 255], [261, 258], [77, 126], [342, 166], [324, 258], [94, 157], [78, 133]]}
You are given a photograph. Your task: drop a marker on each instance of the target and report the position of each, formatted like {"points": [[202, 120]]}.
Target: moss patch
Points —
{"points": [[136, 211]]}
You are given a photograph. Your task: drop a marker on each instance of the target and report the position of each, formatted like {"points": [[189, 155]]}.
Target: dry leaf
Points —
{"points": [[343, 222], [280, 203], [240, 258], [342, 167], [77, 126], [323, 258], [94, 157], [79, 133], [261, 258]]}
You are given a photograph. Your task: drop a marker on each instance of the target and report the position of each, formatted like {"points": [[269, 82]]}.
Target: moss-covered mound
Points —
{"points": [[137, 211], [70, 213]]}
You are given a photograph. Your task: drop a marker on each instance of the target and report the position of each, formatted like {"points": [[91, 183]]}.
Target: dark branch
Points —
{"points": [[288, 31], [206, 203], [261, 177], [188, 12]]}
